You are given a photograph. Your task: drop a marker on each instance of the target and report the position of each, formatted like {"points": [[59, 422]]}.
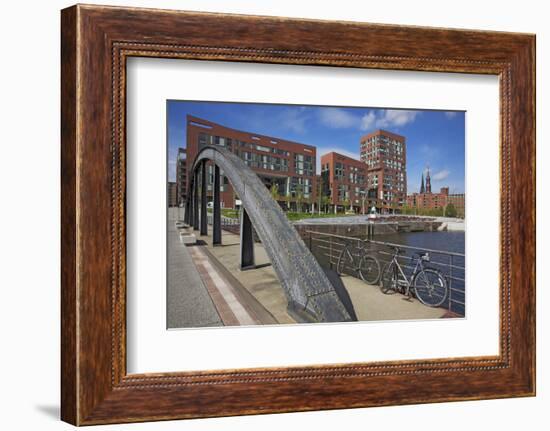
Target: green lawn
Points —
{"points": [[292, 216], [230, 213]]}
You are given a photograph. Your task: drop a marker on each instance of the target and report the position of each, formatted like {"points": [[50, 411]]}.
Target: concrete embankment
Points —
{"points": [[362, 228], [451, 224]]}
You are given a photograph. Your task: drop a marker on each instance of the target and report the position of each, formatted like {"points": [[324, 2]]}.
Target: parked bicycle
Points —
{"points": [[428, 284], [364, 263]]}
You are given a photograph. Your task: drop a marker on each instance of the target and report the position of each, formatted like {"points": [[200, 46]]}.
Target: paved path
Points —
{"points": [[369, 302], [207, 288], [188, 301], [234, 304], [261, 283], [201, 292]]}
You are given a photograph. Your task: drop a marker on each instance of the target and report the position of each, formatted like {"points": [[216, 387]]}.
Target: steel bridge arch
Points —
{"points": [[310, 294]]}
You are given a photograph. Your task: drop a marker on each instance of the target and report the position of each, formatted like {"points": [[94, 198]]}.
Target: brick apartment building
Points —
{"points": [[181, 176], [459, 202], [172, 194], [289, 165], [344, 181], [385, 155], [427, 200]]}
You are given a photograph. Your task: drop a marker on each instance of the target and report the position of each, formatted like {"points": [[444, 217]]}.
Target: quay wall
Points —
{"points": [[361, 230]]}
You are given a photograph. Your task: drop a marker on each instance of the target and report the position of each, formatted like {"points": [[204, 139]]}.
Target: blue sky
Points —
{"points": [[435, 139]]}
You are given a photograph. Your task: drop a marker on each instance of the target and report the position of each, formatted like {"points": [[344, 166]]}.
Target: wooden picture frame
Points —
{"points": [[95, 43]]}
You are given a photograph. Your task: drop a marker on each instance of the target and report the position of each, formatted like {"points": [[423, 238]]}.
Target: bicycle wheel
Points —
{"points": [[388, 281], [369, 269], [430, 287], [345, 262]]}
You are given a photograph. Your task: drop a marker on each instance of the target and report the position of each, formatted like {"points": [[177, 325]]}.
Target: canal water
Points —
{"points": [[445, 241]]}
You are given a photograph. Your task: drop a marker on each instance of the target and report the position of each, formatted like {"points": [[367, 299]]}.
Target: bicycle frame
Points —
{"points": [[417, 268], [347, 249]]}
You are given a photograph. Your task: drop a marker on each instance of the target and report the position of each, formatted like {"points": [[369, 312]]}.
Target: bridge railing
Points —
{"points": [[226, 221], [327, 248]]}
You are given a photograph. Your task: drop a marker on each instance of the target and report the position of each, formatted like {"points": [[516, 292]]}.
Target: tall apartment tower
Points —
{"points": [[385, 154], [181, 176]]}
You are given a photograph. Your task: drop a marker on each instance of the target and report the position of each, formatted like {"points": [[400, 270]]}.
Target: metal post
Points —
{"points": [[196, 200], [450, 280], [186, 213], [217, 221], [247, 241], [190, 201], [204, 200], [330, 251]]}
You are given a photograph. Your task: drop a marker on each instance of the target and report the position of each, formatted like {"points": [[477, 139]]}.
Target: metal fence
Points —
{"points": [[327, 248], [226, 221]]}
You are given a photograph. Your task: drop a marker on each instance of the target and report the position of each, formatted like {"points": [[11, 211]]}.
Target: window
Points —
{"points": [[343, 192], [300, 187], [339, 171], [204, 139], [299, 164], [264, 149]]}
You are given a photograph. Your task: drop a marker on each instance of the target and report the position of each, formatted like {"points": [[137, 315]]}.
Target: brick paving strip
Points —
{"points": [[232, 312]]}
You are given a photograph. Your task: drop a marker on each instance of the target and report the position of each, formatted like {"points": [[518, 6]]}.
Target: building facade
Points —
{"points": [[459, 202], [285, 167], [172, 194], [181, 176], [385, 155], [425, 200], [344, 181], [429, 201]]}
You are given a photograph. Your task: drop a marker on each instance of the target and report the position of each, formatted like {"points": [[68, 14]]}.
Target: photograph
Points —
{"points": [[275, 215], [289, 214]]}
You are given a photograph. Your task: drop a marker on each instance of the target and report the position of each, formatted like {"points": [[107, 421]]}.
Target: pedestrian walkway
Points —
{"points": [[207, 288], [369, 302], [231, 309], [188, 302], [372, 305], [261, 283]]}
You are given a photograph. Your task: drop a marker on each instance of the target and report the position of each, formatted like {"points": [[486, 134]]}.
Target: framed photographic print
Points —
{"points": [[278, 207]]}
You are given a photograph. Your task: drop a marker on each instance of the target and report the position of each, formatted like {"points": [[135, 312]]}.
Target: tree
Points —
{"points": [[407, 210], [450, 210], [286, 200], [325, 201], [347, 203], [274, 191], [299, 191], [320, 192]]}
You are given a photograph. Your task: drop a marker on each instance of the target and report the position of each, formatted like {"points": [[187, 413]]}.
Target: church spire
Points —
{"points": [[428, 182], [422, 184]]}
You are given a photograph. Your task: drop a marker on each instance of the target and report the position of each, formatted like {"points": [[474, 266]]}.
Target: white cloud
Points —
{"points": [[450, 114], [395, 118], [368, 121], [293, 120], [441, 175], [264, 122], [338, 118]]}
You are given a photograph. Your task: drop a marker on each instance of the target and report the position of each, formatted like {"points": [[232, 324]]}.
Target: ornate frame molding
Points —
{"points": [[96, 41]]}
